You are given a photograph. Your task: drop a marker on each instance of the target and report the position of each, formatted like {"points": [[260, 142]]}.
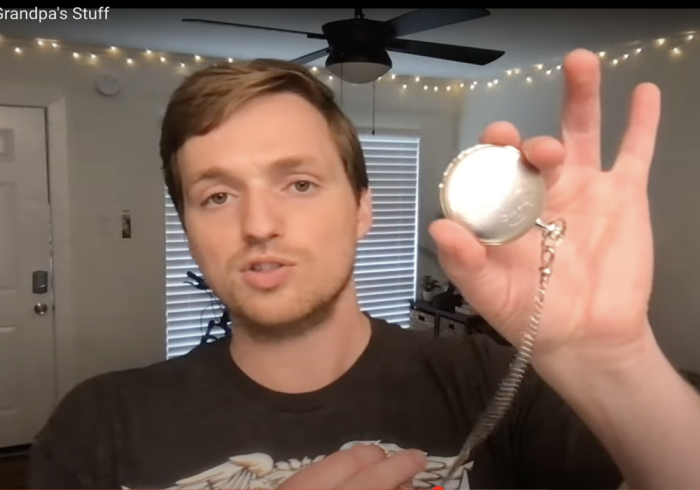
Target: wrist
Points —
{"points": [[587, 375]]}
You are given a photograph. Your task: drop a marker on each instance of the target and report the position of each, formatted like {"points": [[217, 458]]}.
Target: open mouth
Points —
{"points": [[265, 266], [267, 273]]}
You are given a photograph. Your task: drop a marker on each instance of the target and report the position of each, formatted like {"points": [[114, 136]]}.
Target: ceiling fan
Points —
{"points": [[358, 48]]}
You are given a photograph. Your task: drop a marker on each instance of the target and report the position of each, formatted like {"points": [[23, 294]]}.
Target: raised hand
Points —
{"points": [[598, 296]]}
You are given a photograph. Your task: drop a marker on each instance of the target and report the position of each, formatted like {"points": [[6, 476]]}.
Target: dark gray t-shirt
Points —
{"points": [[199, 422]]}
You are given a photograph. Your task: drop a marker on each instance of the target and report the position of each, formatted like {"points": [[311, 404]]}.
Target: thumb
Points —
{"points": [[461, 255]]}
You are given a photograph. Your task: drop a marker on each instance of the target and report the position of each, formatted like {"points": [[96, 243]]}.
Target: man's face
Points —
{"points": [[271, 216]]}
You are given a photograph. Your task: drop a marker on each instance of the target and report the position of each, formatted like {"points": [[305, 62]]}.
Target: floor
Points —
{"points": [[13, 467]]}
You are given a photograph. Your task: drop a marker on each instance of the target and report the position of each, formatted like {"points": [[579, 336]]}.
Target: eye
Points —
{"points": [[302, 186], [218, 199]]}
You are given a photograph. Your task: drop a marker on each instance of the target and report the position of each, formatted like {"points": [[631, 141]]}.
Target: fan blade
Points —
{"points": [[449, 52], [310, 35], [308, 58], [425, 19]]}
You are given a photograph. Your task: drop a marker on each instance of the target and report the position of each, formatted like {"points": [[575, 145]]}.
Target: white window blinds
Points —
{"points": [[385, 268]]}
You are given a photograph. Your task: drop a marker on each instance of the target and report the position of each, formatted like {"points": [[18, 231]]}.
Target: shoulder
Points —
{"points": [[97, 400]]}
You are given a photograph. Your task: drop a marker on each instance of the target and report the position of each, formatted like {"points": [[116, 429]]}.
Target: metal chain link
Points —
{"points": [[552, 236]]}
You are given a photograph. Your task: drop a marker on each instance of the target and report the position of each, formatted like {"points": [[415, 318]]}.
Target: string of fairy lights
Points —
{"points": [[184, 64]]}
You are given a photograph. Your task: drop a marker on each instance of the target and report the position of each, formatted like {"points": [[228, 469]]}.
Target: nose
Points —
{"points": [[261, 218]]}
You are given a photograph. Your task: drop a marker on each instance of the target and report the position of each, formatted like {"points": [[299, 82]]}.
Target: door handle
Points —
{"points": [[41, 309], [40, 282]]}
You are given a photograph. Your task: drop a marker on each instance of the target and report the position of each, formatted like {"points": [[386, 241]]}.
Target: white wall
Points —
{"points": [[675, 200], [118, 285]]}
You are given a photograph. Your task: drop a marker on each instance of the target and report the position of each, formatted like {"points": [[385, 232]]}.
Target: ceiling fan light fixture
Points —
{"points": [[361, 66]]}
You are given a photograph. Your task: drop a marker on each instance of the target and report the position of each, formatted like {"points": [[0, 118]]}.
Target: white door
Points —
{"points": [[27, 386]]}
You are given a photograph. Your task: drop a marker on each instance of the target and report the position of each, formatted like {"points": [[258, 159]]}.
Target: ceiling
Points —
{"points": [[528, 36]]}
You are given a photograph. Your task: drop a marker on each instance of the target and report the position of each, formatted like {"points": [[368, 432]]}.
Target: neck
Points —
{"points": [[309, 362]]}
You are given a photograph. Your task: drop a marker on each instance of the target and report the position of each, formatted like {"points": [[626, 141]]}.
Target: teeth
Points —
{"points": [[265, 267]]}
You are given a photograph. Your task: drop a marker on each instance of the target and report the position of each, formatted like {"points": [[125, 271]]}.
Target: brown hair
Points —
{"points": [[207, 98]]}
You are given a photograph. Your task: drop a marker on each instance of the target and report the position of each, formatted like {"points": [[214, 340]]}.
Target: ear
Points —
{"points": [[364, 215]]}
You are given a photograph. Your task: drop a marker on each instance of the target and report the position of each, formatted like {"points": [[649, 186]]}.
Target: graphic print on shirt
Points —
{"points": [[259, 471]]}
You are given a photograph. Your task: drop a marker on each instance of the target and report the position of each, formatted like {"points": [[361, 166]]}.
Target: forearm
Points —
{"points": [[641, 410]]}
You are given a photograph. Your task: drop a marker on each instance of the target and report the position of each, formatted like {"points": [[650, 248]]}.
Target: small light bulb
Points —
{"points": [[129, 61], [601, 54], [529, 79], [197, 57], [425, 87], [435, 88], [475, 83], [517, 70], [40, 42], [93, 56], [314, 68], [448, 88], [495, 82], [162, 59], [182, 64], [76, 55], [113, 48], [638, 50], [690, 37], [378, 79], [615, 62], [625, 56], [55, 45], [490, 84], [330, 77], [676, 51], [661, 41], [18, 50], [509, 72], [549, 72], [417, 79], [471, 87], [558, 67], [148, 51], [461, 85], [230, 60], [403, 86], [539, 67], [393, 77]]}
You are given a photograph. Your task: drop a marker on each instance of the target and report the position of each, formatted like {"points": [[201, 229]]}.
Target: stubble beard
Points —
{"points": [[307, 313]]}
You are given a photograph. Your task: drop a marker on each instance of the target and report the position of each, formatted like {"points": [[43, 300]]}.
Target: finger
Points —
{"points": [[458, 250], [547, 154], [390, 473], [581, 114], [637, 149], [336, 468], [501, 133], [407, 485]]}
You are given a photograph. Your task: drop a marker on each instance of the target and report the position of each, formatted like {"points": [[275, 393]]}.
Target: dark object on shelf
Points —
{"points": [[448, 300]]}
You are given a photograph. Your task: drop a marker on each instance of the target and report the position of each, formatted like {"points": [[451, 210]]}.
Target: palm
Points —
{"points": [[603, 269]]}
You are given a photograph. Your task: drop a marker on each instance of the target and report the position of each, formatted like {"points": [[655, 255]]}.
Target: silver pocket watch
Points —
{"points": [[493, 192]]}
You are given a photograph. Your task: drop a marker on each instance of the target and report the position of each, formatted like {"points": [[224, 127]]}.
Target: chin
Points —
{"points": [[283, 313]]}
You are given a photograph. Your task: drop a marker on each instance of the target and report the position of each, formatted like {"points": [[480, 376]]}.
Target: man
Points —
{"points": [[269, 180]]}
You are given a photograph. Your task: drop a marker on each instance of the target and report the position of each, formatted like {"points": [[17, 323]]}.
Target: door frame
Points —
{"points": [[53, 101]]}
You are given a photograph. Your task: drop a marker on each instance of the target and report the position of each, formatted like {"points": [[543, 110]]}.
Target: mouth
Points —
{"points": [[267, 273], [266, 264]]}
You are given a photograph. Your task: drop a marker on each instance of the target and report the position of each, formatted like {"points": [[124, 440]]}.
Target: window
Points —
{"points": [[385, 268]]}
